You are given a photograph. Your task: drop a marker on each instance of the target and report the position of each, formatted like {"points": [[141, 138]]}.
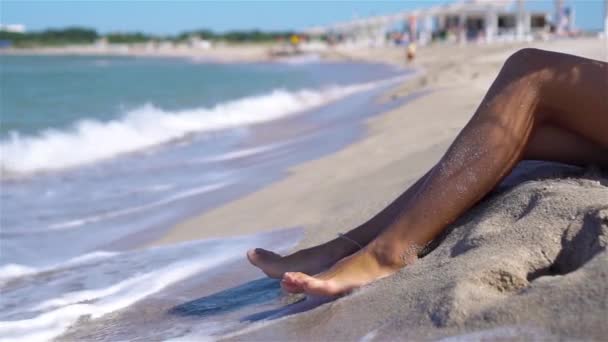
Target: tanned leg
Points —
{"points": [[551, 143], [536, 91], [319, 258], [548, 142]]}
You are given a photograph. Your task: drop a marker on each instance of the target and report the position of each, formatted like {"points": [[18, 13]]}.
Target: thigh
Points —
{"points": [[574, 93], [552, 143]]}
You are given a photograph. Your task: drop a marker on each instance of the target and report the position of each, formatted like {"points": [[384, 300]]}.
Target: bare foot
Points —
{"points": [[346, 275], [311, 260]]}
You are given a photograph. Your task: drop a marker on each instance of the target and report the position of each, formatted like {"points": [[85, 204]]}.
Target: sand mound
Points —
{"points": [[529, 261]]}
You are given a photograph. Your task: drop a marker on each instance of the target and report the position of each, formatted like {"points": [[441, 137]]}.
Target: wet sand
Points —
{"points": [[529, 260]]}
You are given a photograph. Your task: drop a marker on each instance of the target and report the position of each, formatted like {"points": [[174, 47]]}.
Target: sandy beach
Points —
{"points": [[528, 262], [280, 156], [193, 171], [218, 54]]}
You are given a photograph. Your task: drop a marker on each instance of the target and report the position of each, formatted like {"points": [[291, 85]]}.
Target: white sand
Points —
{"points": [[531, 257]]}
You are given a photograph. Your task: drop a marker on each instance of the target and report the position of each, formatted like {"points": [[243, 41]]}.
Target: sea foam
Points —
{"points": [[12, 271], [126, 282], [88, 141], [68, 308], [126, 211]]}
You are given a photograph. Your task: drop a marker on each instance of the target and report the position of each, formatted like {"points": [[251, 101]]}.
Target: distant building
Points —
{"points": [[16, 28], [460, 21], [197, 42], [101, 43]]}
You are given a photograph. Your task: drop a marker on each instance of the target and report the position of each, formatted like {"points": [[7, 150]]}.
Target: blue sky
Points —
{"points": [[170, 17]]}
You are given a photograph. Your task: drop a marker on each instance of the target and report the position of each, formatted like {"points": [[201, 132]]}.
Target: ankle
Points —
{"points": [[339, 248], [395, 255]]}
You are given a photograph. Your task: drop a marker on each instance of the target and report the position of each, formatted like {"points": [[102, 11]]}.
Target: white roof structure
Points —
{"points": [[455, 8], [17, 28]]}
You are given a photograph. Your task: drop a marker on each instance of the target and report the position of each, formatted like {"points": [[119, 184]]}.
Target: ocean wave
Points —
{"points": [[122, 212], [245, 152], [12, 271], [301, 60], [70, 307], [65, 309], [89, 141]]}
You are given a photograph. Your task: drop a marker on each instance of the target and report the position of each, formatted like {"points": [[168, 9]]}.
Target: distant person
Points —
{"points": [[295, 40], [410, 52], [543, 106]]}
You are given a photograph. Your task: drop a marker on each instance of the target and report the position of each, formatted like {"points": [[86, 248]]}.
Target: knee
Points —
{"points": [[525, 58], [526, 70], [531, 65]]}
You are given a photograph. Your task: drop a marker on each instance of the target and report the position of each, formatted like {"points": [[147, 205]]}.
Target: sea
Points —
{"points": [[101, 155]]}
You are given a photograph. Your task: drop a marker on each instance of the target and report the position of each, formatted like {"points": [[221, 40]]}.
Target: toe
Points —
{"points": [[259, 255], [319, 287], [292, 282], [296, 282], [306, 283], [291, 287], [265, 252], [314, 286], [266, 261], [251, 255]]}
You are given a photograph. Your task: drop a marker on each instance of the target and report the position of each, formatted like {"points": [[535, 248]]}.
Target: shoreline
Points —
{"points": [[427, 56], [297, 135], [530, 260], [222, 54], [461, 85]]}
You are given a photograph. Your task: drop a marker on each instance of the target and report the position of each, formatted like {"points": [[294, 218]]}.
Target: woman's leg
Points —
{"points": [[534, 92], [549, 143], [319, 258], [552, 143]]}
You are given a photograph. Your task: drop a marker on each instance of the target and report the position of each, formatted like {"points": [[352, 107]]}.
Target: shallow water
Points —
{"points": [[82, 185], [156, 283]]}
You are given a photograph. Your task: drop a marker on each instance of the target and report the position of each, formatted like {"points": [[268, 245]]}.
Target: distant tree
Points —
{"points": [[128, 37], [70, 35], [234, 36], [254, 36], [80, 35], [202, 34]]}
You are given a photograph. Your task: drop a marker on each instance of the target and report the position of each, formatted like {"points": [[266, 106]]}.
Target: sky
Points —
{"points": [[172, 17]]}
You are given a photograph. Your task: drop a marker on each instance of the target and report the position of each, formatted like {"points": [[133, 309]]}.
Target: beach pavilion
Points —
{"points": [[461, 21]]}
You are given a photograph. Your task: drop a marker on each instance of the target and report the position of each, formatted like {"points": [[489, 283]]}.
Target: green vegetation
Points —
{"points": [[79, 35], [127, 38], [202, 34], [254, 36], [71, 35]]}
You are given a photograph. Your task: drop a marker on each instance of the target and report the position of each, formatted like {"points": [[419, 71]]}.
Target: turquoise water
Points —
{"points": [[99, 155], [56, 111], [45, 92], [41, 92]]}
